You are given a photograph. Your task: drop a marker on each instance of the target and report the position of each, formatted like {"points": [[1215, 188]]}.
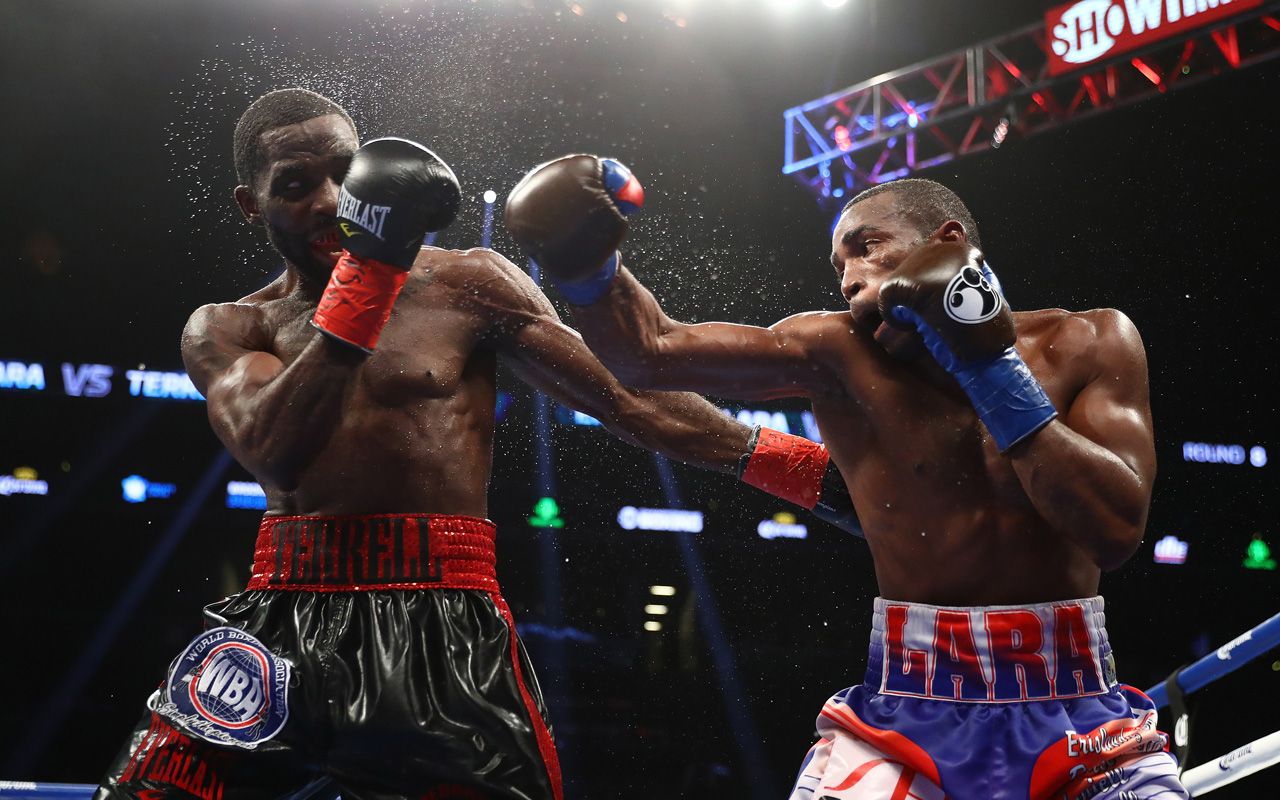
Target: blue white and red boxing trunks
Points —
{"points": [[989, 703]]}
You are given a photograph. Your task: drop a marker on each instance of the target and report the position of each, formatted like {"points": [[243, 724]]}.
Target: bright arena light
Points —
{"points": [[662, 591], [653, 625], [655, 609], [490, 196]]}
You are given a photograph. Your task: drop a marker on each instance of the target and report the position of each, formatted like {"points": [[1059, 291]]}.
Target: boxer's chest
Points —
{"points": [[909, 431], [422, 353]]}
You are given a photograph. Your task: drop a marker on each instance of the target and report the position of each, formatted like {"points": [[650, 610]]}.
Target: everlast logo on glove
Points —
{"points": [[366, 215]]}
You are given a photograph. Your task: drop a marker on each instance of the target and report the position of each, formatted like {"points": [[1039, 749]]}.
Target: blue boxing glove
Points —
{"points": [[570, 216], [947, 294]]}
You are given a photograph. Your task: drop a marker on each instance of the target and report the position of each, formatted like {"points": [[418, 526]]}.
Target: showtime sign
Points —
{"points": [[1084, 32]]}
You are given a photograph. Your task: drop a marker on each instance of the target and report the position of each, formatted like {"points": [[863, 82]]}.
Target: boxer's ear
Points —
{"points": [[950, 231], [248, 205]]}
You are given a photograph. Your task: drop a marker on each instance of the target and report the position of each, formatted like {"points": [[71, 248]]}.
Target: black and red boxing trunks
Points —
{"points": [[370, 656]]}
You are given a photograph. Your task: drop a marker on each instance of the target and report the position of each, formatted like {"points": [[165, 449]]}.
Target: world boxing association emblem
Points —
{"points": [[227, 688], [970, 297]]}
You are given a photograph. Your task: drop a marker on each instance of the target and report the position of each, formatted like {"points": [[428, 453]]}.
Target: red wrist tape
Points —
{"points": [[357, 302], [786, 466]]}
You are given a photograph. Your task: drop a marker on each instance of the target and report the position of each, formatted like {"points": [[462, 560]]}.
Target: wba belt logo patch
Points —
{"points": [[227, 688]]}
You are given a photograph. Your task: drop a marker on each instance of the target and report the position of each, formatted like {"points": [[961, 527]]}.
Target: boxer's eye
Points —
{"points": [[291, 185]]}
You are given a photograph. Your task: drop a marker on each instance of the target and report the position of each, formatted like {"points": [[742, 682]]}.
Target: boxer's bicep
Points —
{"points": [[552, 358], [543, 351], [646, 348], [219, 350], [743, 362], [1113, 410]]}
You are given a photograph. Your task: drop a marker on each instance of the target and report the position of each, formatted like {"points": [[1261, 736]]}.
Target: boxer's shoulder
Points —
{"points": [[479, 283], [817, 329], [253, 317], [477, 270], [239, 322], [830, 337], [1081, 341], [217, 333], [1076, 331]]}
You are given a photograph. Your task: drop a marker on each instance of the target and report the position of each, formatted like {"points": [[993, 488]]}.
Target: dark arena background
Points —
{"points": [[677, 664]]}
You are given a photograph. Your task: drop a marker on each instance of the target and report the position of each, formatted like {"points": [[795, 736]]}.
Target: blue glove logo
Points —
{"points": [[970, 298]]}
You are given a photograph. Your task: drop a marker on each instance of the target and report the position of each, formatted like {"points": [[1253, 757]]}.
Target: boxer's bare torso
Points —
{"points": [[415, 429], [330, 430], [950, 520], [947, 518]]}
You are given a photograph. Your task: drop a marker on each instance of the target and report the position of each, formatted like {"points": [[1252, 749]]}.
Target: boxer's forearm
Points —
{"points": [[1084, 491], [624, 328], [277, 427], [683, 427]]}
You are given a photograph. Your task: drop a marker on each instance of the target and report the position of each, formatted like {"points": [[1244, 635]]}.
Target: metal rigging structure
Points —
{"points": [[1018, 84]]}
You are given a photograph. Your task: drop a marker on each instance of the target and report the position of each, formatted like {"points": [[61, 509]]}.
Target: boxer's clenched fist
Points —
{"points": [[394, 193], [570, 215], [945, 292]]}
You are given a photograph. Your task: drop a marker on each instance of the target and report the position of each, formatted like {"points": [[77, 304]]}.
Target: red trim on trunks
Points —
{"points": [[546, 745]]}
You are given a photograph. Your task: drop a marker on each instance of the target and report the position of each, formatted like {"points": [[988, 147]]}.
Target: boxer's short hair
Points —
{"points": [[926, 203], [275, 110]]}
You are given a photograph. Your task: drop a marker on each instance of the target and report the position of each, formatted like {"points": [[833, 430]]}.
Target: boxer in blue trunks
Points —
{"points": [[998, 461]]}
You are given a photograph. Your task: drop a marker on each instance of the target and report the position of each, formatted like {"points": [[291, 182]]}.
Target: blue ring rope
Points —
{"points": [[45, 791], [1226, 659]]}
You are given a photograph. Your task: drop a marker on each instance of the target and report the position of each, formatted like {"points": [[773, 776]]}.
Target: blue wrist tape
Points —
{"points": [[590, 289], [1009, 400]]}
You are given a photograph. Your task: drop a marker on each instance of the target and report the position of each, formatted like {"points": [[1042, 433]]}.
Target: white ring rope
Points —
{"points": [[1242, 761]]}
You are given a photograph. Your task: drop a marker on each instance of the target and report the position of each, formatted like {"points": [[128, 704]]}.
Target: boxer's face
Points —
{"points": [[869, 242], [295, 196]]}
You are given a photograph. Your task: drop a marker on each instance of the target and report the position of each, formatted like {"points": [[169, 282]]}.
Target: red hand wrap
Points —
{"points": [[357, 302], [786, 466]]}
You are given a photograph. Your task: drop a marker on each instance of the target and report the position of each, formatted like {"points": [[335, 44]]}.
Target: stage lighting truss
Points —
{"points": [[991, 93]]}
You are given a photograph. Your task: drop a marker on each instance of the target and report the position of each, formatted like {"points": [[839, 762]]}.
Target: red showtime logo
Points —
{"points": [[1081, 33]]}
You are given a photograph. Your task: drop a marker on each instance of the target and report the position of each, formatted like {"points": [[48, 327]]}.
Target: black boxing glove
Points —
{"points": [[569, 216], [946, 293], [395, 192]]}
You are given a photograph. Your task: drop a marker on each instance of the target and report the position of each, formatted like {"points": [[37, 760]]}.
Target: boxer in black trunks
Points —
{"points": [[1001, 461], [372, 652]]}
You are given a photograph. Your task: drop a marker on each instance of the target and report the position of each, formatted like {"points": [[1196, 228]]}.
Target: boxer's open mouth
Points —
{"points": [[327, 242]]}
